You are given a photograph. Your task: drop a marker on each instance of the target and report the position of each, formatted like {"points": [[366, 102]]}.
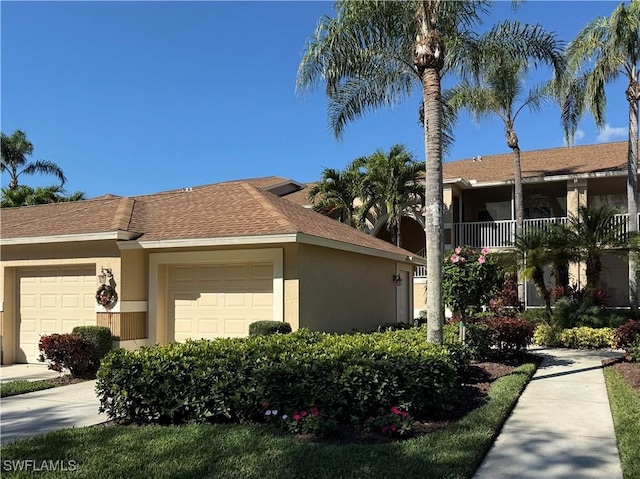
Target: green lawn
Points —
{"points": [[249, 451], [13, 388], [625, 409]]}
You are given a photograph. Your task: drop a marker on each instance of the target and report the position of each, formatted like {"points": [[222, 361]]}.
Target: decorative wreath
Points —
{"points": [[106, 295]]}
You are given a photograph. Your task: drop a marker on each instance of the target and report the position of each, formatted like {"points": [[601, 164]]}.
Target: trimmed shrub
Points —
{"points": [[100, 336], [509, 334], [586, 338], [265, 328], [477, 339], [69, 351], [626, 334], [349, 378], [545, 335]]}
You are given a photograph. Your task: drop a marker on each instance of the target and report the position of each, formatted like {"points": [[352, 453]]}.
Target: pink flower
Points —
{"points": [[304, 413], [405, 414], [296, 416], [455, 258], [315, 412], [395, 410], [482, 260], [462, 259], [393, 428], [484, 251], [458, 250]]}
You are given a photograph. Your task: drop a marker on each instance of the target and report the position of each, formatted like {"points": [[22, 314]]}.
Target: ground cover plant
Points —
{"points": [[13, 388], [623, 386], [261, 451]]}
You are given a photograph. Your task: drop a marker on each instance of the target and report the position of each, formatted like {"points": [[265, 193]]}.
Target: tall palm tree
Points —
{"points": [[336, 194], [531, 248], [374, 54], [497, 85], [15, 149], [604, 50], [391, 183]]}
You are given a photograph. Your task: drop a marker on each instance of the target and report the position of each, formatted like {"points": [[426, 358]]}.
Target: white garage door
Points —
{"points": [[219, 300], [53, 300]]}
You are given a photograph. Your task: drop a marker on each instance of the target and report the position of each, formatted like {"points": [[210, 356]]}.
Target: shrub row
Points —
{"points": [[348, 378], [259, 328], [582, 337]]}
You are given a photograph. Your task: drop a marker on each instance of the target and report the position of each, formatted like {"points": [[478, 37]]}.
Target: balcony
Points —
{"points": [[500, 234]]}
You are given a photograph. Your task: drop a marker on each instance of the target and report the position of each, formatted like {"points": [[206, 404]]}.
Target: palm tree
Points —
{"points": [[604, 50], [531, 248], [373, 54], [498, 86], [595, 231], [27, 196], [336, 193], [15, 149], [390, 184]]}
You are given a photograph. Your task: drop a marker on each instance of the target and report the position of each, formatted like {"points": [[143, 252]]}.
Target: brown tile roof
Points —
{"points": [[79, 217], [300, 197], [231, 209], [574, 160]]}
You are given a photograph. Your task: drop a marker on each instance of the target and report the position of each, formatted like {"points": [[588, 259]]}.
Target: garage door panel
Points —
{"points": [[53, 300], [221, 300]]}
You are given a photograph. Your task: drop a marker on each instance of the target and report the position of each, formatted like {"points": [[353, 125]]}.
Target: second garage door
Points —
{"points": [[219, 300], [53, 300]]}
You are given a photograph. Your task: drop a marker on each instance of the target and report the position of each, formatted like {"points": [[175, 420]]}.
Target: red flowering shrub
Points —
{"points": [[69, 351], [510, 333], [626, 334]]}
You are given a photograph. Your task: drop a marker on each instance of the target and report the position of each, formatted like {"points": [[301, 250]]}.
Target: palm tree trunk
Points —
{"points": [[541, 287], [398, 232], [633, 94], [512, 142], [433, 203]]}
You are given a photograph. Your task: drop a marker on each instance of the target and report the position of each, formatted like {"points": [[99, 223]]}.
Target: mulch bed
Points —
{"points": [[65, 380]]}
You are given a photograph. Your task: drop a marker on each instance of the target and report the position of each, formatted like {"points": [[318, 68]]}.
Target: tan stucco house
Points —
{"points": [[200, 262]]}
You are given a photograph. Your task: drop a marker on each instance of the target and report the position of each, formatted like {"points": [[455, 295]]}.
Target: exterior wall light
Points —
{"points": [[397, 279], [105, 275]]}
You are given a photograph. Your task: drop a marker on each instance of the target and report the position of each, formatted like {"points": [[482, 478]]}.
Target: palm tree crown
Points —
{"points": [[604, 50], [15, 149]]}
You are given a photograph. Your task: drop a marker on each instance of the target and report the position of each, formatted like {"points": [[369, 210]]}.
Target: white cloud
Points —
{"points": [[609, 133]]}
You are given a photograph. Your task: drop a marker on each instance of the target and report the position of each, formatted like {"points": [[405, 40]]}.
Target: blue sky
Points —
{"points": [[138, 97]]}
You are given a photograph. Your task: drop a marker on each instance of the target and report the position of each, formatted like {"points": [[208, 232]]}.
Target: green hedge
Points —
{"points": [[100, 336], [259, 328], [478, 339], [347, 377], [578, 338]]}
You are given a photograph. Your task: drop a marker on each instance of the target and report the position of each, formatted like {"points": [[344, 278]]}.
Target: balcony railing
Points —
{"points": [[496, 234]]}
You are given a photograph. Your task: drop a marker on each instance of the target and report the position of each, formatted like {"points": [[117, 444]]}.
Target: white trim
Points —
{"points": [[110, 235], [1, 306], [544, 179], [273, 255], [409, 289], [352, 248], [133, 306], [200, 242]]}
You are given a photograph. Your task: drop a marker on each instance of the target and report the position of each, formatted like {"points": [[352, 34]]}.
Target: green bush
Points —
{"points": [[348, 377], [100, 336], [585, 337], [470, 278], [535, 315], [477, 339], [634, 350], [265, 328]]}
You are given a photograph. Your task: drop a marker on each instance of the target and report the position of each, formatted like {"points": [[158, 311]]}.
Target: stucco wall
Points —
{"points": [[340, 291]]}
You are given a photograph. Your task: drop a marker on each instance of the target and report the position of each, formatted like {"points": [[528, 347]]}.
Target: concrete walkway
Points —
{"points": [[75, 405], [27, 372], [562, 426]]}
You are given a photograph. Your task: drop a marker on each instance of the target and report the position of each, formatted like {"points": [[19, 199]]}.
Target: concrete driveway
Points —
{"points": [[75, 405]]}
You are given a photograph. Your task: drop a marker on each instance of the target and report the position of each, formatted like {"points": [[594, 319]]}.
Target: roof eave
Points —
{"points": [[117, 235]]}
